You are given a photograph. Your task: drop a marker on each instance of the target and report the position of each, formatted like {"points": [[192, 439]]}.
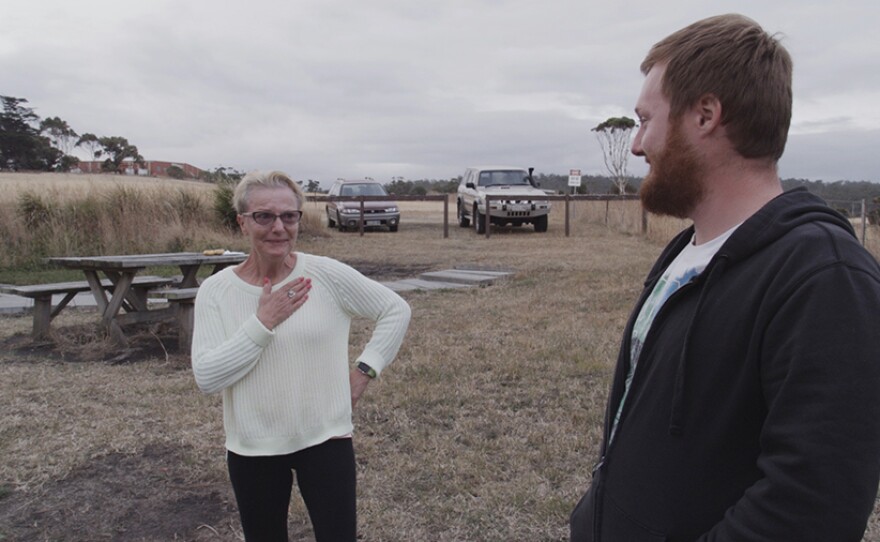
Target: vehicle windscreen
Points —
{"points": [[365, 189], [492, 178]]}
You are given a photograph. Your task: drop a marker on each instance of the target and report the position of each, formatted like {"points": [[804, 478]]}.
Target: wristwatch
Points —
{"points": [[366, 369]]}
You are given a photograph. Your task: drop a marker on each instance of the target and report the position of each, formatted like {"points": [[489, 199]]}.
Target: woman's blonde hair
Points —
{"points": [[262, 179]]}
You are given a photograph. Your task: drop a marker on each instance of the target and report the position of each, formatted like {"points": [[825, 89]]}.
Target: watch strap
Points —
{"points": [[366, 369]]}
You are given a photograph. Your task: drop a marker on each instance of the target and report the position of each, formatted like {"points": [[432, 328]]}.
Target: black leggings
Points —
{"points": [[325, 474]]}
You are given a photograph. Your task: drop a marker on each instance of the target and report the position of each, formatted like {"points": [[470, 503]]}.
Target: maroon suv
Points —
{"points": [[346, 214]]}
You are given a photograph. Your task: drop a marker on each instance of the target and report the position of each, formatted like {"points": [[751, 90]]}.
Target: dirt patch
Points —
{"points": [[120, 497], [87, 342], [381, 271]]}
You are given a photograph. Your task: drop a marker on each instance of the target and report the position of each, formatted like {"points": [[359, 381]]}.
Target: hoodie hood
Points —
{"points": [[779, 216]]}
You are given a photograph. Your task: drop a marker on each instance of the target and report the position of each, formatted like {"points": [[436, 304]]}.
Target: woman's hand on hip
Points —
{"points": [[359, 382], [276, 307]]}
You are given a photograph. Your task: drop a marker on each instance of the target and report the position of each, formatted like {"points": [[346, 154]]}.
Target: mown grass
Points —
{"points": [[484, 429]]}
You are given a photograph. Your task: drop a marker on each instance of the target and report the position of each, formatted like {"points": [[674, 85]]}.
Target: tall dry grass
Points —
{"points": [[626, 216], [63, 215]]}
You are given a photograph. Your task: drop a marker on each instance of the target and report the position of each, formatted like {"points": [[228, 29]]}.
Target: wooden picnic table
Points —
{"points": [[121, 271]]}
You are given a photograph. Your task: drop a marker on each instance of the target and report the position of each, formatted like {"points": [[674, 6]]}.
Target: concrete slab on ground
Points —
{"points": [[466, 276], [407, 285]]}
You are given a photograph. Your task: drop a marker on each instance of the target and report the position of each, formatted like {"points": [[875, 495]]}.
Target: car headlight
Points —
{"points": [[392, 209]]}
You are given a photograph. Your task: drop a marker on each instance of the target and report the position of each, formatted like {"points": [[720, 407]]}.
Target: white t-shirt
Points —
{"points": [[689, 263]]}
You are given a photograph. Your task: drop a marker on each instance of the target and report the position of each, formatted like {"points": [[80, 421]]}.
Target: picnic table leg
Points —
{"points": [[42, 316], [44, 313], [67, 299], [100, 296], [186, 317], [108, 317], [97, 289], [189, 279], [135, 298]]}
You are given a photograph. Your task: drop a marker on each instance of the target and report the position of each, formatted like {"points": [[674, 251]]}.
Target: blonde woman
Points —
{"points": [[272, 334]]}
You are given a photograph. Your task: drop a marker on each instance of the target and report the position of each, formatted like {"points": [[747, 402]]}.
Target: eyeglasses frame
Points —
{"points": [[274, 217]]}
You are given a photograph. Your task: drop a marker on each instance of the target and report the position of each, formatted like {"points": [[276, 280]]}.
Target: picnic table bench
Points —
{"points": [[42, 295], [184, 300]]}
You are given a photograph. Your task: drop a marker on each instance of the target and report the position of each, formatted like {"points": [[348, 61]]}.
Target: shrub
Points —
{"points": [[175, 172], [223, 207], [188, 207], [37, 216], [33, 210]]}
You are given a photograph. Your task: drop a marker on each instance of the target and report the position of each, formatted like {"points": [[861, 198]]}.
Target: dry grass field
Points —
{"points": [[484, 429]]}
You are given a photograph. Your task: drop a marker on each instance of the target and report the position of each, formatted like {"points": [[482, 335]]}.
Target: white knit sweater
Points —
{"points": [[287, 389]]}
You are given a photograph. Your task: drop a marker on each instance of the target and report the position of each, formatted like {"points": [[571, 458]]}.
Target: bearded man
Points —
{"points": [[746, 401]]}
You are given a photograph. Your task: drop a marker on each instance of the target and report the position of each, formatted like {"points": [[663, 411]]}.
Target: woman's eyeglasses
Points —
{"points": [[265, 218]]}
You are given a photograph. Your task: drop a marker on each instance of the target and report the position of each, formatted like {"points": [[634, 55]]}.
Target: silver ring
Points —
{"points": [[290, 293]]}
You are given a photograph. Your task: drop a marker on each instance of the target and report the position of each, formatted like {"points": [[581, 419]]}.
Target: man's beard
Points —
{"points": [[674, 183]]}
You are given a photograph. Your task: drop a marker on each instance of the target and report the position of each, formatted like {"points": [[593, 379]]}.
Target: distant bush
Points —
{"points": [[33, 210], [223, 208], [175, 172]]}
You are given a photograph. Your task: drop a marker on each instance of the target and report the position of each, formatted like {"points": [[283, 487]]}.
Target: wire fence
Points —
{"points": [[621, 213]]}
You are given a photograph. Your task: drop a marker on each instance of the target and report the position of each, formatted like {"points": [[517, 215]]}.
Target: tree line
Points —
{"points": [[28, 142]]}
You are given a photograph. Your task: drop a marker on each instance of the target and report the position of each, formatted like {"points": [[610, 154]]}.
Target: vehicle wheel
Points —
{"points": [[330, 222], [541, 224], [393, 228], [339, 224], [463, 221], [479, 221]]}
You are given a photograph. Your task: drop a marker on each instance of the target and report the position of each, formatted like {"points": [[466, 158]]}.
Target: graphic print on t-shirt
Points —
{"points": [[689, 263], [666, 286]]}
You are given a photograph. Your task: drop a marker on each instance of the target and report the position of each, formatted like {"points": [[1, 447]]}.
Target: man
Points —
{"points": [[746, 401]]}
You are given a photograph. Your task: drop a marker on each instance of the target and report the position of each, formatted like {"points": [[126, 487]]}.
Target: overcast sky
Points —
{"points": [[414, 88]]}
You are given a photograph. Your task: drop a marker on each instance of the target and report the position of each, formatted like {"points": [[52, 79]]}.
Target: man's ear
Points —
{"points": [[708, 113]]}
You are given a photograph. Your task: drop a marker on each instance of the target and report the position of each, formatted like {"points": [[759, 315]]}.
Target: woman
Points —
{"points": [[272, 334]]}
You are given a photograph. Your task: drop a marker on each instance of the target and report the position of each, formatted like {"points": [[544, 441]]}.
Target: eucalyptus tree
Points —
{"points": [[117, 150], [62, 136], [614, 136], [92, 144]]}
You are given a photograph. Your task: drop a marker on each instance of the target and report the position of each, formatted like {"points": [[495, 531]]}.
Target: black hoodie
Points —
{"points": [[754, 414]]}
